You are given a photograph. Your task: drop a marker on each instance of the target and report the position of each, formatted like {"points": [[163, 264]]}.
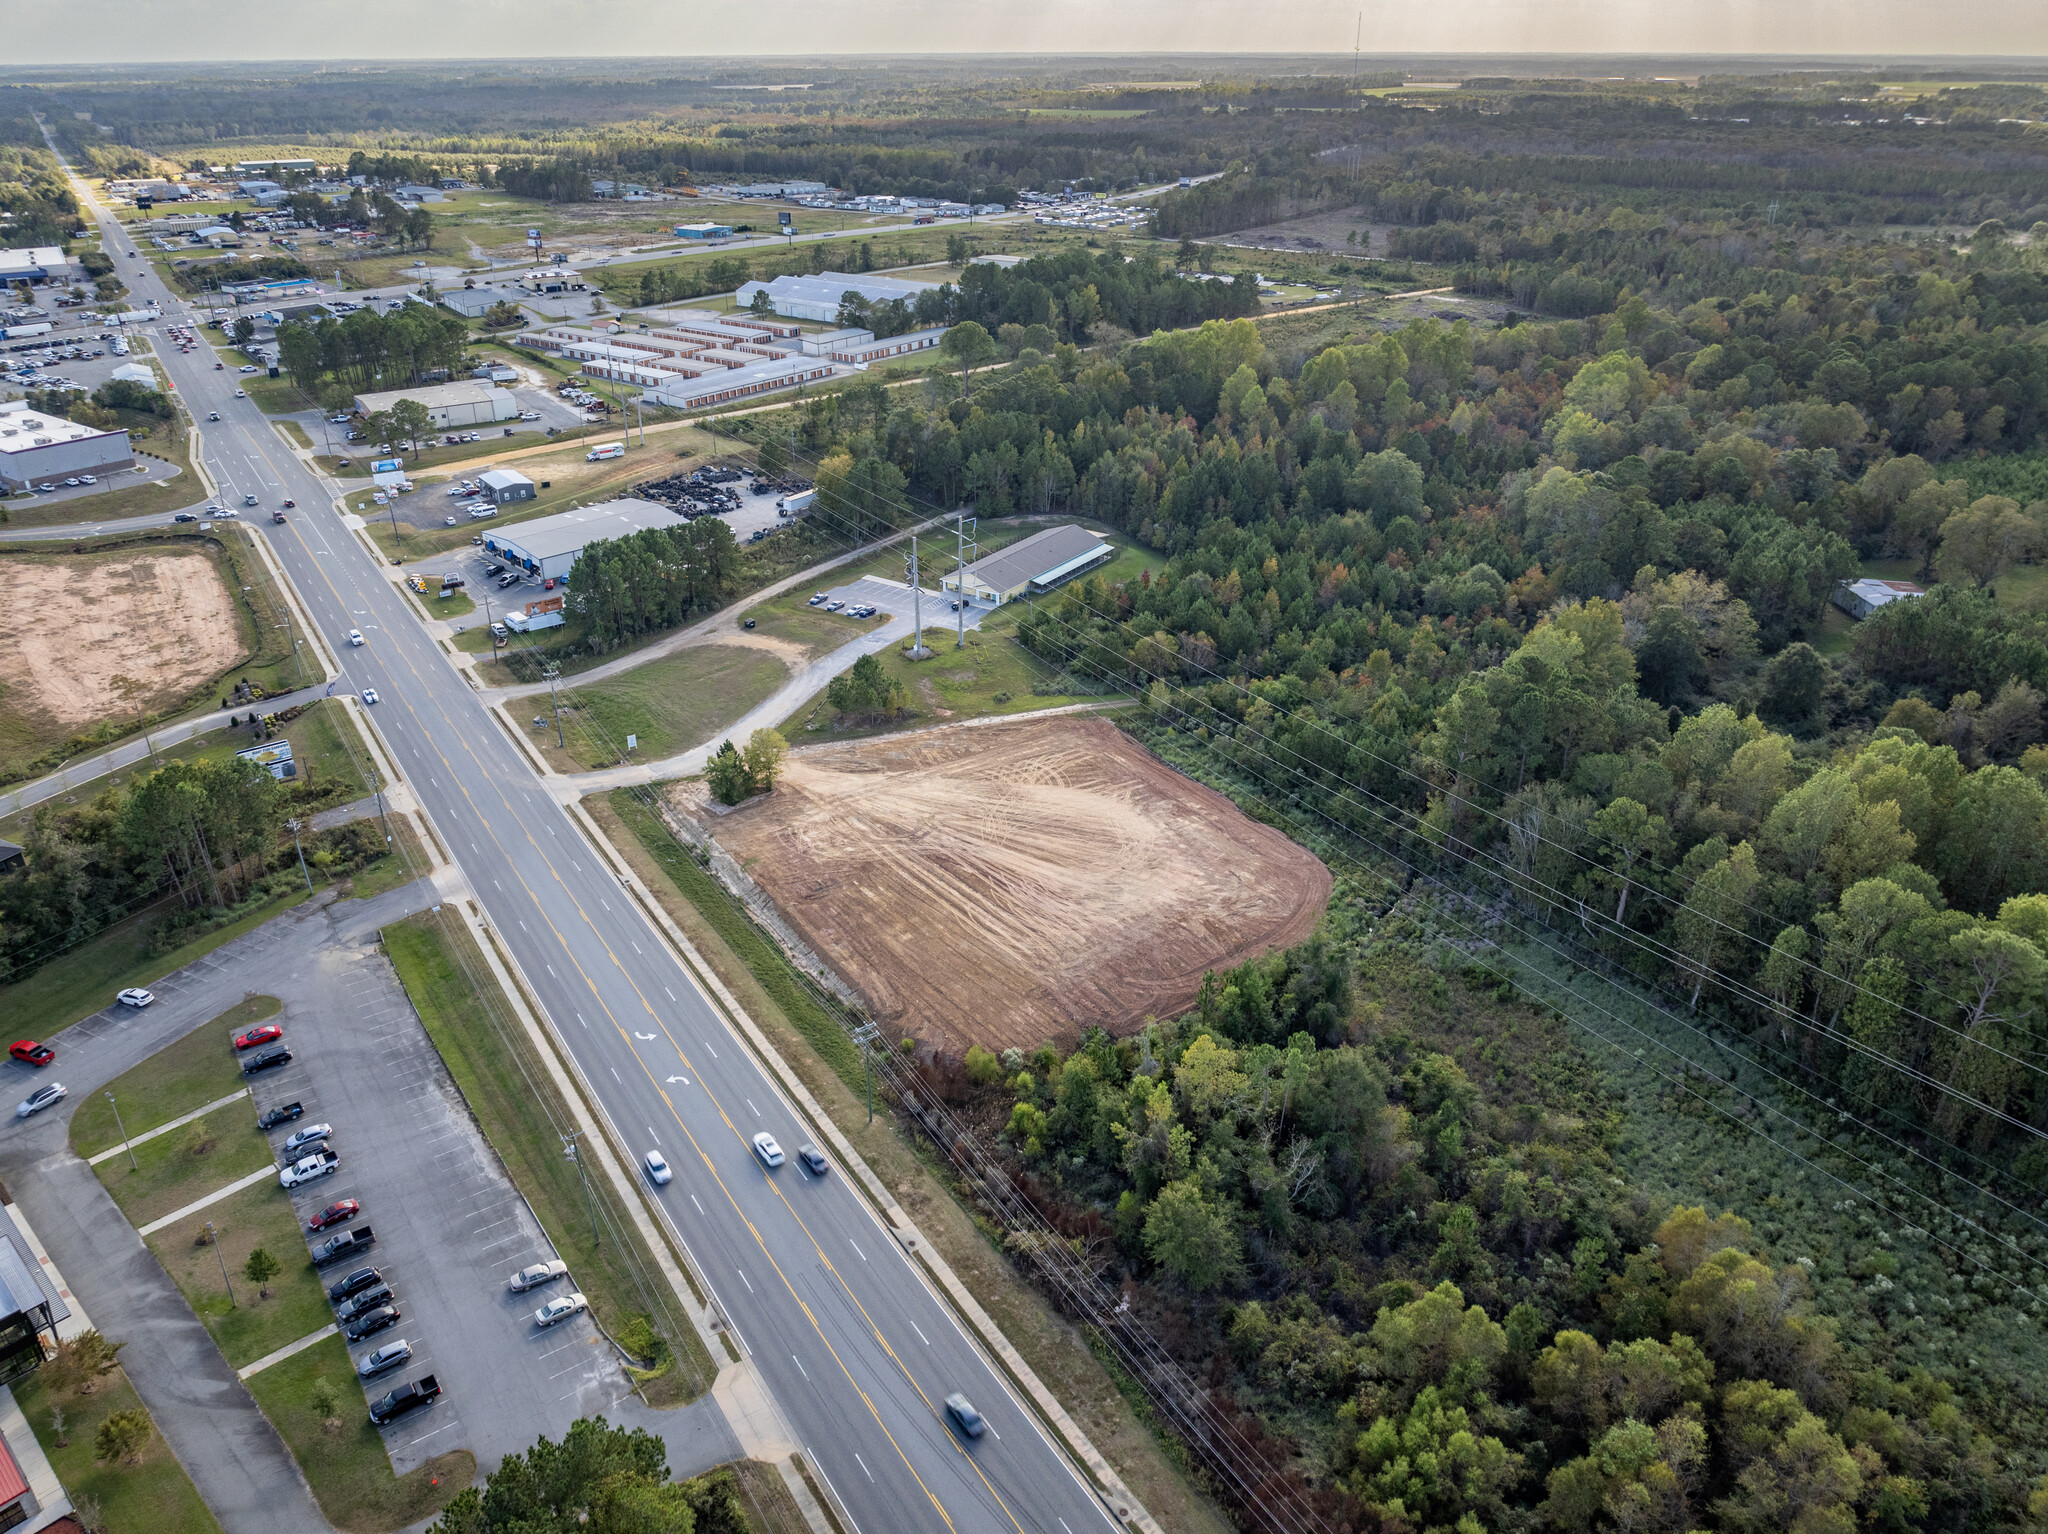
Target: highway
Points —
{"points": [[853, 1344]]}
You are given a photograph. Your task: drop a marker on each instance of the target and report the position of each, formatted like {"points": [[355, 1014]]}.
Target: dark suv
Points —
{"points": [[353, 1283], [266, 1060]]}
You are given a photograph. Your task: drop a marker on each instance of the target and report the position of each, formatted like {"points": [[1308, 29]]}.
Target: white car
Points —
{"points": [[369, 695], [241, 394], [136, 997], [312, 1169], [250, 367], [307, 1136], [657, 1167], [355, 637], [766, 1148], [529, 415], [388, 1356], [560, 1308], [477, 514], [47, 1097], [536, 1275]]}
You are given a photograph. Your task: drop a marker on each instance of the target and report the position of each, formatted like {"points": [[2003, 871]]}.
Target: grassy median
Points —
{"points": [[517, 1107], [341, 1453], [247, 1320]]}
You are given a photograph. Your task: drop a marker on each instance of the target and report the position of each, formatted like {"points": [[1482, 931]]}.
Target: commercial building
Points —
{"points": [[247, 167], [861, 353], [552, 279], [34, 264], [36, 449], [503, 486], [725, 385], [450, 404], [547, 548], [475, 303], [703, 231], [1859, 599], [29, 1307], [1031, 566], [818, 298]]}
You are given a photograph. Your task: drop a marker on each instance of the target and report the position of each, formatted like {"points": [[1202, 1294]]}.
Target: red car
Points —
{"points": [[29, 1052], [262, 1033], [335, 1214]]}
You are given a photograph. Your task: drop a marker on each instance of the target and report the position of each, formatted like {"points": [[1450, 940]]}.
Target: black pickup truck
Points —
{"points": [[406, 1398], [284, 1113], [347, 1244]]}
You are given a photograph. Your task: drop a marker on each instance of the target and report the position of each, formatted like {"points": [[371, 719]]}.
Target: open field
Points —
{"points": [[124, 631], [669, 704], [1008, 884]]}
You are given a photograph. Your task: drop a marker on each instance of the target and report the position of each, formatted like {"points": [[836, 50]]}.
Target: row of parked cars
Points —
{"points": [[832, 604], [364, 1305]]}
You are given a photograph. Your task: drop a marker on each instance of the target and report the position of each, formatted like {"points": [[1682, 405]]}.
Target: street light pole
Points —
{"points": [[302, 855], [214, 1236], [124, 1133]]}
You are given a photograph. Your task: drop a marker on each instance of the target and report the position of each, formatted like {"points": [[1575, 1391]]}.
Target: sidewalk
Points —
{"points": [[128, 753]]}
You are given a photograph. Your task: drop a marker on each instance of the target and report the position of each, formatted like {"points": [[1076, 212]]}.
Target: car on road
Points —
{"points": [[766, 1148], [41, 1098], [369, 695], [962, 1411], [529, 415], [560, 1308], [266, 1061], [340, 1212], [290, 505], [371, 1322], [241, 394], [813, 1158], [479, 513], [250, 367], [262, 1033], [355, 638], [389, 1356], [657, 1167], [283, 1113], [185, 516], [537, 1274], [322, 1163], [135, 996], [218, 366], [29, 1052], [353, 1282], [362, 1304], [307, 1136]]}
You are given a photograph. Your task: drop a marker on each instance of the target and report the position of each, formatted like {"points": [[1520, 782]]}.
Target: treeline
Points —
{"points": [[367, 351], [36, 206], [207, 834], [652, 580]]}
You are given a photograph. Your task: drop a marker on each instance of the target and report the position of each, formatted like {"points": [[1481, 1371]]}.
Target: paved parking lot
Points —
{"points": [[450, 1226], [893, 599]]}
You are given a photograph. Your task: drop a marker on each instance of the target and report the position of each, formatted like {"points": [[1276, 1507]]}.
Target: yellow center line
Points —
{"points": [[599, 1001]]}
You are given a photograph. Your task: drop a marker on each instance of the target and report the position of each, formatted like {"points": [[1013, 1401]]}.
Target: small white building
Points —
{"points": [[1860, 598]]}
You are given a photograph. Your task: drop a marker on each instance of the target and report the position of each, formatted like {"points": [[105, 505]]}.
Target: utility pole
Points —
{"points": [[569, 1150], [551, 671], [867, 1033], [302, 855], [917, 649], [124, 1133], [961, 520], [213, 1236]]}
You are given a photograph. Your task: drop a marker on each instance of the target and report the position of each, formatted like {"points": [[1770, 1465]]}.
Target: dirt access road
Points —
{"points": [[1012, 884]]}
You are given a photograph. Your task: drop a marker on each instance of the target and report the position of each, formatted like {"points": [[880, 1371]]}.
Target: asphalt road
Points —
{"points": [[857, 1350]]}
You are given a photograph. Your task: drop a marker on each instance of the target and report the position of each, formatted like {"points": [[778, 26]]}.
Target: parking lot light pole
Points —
{"points": [[214, 1236], [124, 1133], [302, 855]]}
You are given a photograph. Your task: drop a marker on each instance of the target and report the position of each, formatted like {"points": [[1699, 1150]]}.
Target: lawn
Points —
{"points": [[992, 674], [79, 983], [820, 633], [172, 1082], [517, 1107], [392, 870], [343, 1456], [671, 704], [252, 1325], [155, 1495], [176, 1169]]}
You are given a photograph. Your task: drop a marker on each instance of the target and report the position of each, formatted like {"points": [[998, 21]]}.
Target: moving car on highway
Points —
{"points": [[657, 1167], [766, 1148]]}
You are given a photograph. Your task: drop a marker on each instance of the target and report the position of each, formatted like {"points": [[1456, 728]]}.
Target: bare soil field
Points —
{"points": [[1328, 230], [119, 633], [1015, 883]]}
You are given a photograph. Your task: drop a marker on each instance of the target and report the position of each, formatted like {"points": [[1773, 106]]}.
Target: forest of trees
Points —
{"points": [[367, 350]]}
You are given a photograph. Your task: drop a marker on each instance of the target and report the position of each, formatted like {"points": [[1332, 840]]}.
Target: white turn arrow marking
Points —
{"points": [[683, 1079], [643, 1036]]}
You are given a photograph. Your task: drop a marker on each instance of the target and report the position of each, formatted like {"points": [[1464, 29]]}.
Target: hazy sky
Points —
{"points": [[141, 31]]}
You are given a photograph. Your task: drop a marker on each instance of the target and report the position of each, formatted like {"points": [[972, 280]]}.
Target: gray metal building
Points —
{"points": [[547, 548]]}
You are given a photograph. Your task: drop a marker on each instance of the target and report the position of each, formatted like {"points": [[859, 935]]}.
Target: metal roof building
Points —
{"points": [[1859, 599], [817, 298], [450, 404], [547, 548], [1031, 565]]}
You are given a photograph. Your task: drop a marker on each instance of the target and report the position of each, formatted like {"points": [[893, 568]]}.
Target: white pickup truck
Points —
{"points": [[310, 1169]]}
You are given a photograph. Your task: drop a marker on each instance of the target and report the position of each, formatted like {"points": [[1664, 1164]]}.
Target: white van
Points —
{"points": [[605, 450]]}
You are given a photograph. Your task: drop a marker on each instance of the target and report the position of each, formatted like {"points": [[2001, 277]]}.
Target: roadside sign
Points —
{"points": [[385, 465], [632, 742]]}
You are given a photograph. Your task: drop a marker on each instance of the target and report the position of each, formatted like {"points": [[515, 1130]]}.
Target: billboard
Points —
{"points": [[276, 755]]}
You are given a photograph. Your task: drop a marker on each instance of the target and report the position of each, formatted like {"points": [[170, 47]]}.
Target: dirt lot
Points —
{"points": [[1009, 884], [123, 632], [1318, 231]]}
